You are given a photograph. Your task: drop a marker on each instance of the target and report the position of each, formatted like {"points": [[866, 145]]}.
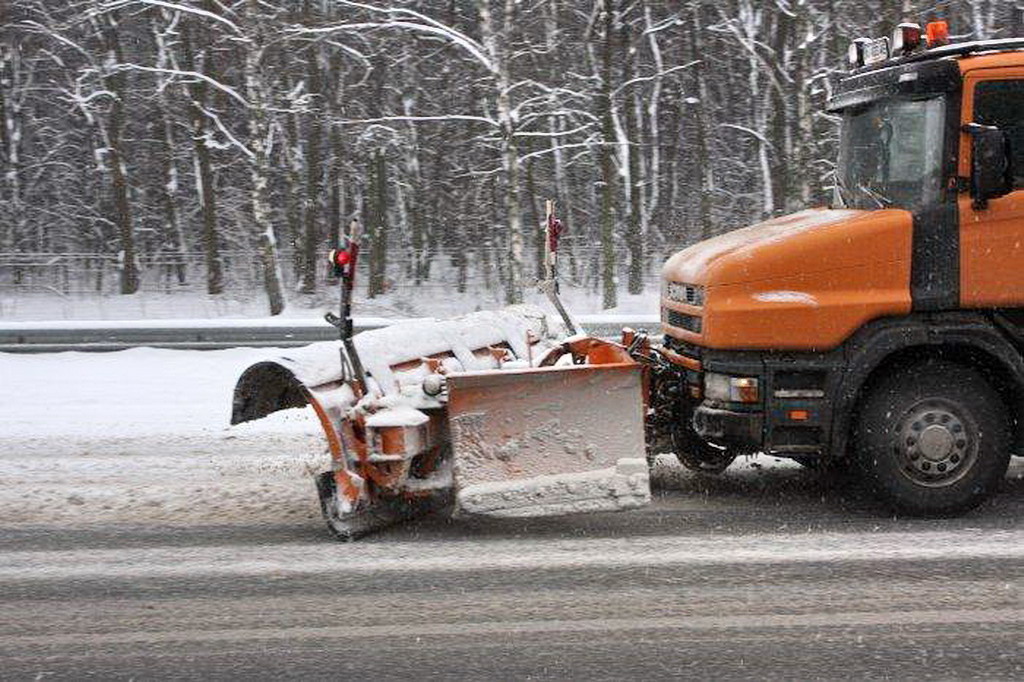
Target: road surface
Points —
{"points": [[140, 538], [763, 573]]}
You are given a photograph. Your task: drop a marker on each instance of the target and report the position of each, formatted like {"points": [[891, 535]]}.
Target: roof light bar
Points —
{"points": [[865, 51], [906, 38], [856, 52]]}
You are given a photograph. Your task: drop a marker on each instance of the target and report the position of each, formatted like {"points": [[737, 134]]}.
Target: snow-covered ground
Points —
{"points": [[402, 303], [142, 436]]}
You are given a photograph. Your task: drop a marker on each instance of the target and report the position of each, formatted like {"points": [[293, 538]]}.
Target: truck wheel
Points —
{"points": [[709, 462], [933, 439], [696, 455]]}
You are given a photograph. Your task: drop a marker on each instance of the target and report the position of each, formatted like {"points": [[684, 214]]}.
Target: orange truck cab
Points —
{"points": [[887, 331]]}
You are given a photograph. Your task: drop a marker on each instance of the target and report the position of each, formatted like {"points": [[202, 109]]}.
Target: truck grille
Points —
{"points": [[674, 318], [690, 294]]}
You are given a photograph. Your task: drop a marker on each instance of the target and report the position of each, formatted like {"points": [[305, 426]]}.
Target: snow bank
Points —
{"points": [[136, 392], [433, 299], [142, 436]]}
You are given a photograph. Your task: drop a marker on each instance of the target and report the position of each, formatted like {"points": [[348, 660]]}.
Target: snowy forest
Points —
{"points": [[219, 144]]}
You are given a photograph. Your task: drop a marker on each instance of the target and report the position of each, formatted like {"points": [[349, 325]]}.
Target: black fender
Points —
{"points": [[972, 337]]}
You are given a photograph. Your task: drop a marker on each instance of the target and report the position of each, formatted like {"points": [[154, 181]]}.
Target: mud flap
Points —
{"points": [[549, 441]]}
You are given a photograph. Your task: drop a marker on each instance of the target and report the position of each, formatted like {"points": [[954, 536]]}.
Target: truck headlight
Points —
{"points": [[726, 389]]}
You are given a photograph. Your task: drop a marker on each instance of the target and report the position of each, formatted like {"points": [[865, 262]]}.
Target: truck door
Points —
{"points": [[992, 238]]}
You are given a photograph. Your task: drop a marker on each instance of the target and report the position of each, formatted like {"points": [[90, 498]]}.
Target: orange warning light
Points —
{"points": [[937, 33]]}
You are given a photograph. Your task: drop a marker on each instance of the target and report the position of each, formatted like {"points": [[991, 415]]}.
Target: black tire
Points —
{"points": [[697, 455], [932, 439], [383, 512]]}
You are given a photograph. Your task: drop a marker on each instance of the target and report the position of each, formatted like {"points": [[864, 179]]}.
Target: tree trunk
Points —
{"points": [[634, 233], [378, 223], [311, 236], [13, 222], [654, 175], [702, 161], [292, 146], [175, 235], [783, 166], [608, 265], [337, 215], [114, 82], [259, 131], [536, 230], [496, 50], [205, 183]]}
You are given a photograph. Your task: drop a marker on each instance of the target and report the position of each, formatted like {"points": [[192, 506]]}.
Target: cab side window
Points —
{"points": [[1001, 104]]}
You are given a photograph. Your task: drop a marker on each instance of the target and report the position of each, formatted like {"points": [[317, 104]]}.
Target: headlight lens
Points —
{"points": [[726, 389]]}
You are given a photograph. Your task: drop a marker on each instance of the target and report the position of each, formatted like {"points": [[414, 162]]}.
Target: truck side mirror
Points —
{"points": [[991, 175]]}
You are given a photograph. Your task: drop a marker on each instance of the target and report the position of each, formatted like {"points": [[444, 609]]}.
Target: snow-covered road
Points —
{"points": [[142, 436], [142, 536]]}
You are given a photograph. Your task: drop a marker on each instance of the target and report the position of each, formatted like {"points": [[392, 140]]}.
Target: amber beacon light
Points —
{"points": [[937, 33]]}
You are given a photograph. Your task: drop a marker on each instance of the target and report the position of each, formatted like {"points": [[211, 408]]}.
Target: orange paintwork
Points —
{"points": [[800, 282], [681, 360], [590, 351], [992, 60], [808, 280], [991, 238], [342, 479]]}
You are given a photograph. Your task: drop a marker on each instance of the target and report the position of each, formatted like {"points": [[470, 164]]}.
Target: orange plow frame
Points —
{"points": [[406, 452]]}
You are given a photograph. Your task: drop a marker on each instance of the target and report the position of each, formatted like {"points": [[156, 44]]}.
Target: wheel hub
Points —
{"points": [[934, 445], [936, 442]]}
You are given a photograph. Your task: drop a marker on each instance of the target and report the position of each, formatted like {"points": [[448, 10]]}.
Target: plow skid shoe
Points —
{"points": [[549, 441], [383, 513]]}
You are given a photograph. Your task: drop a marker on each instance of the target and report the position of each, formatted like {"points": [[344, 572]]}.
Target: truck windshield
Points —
{"points": [[890, 154]]}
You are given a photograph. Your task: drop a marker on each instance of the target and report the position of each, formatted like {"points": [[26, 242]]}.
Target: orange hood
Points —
{"points": [[805, 280], [752, 253]]}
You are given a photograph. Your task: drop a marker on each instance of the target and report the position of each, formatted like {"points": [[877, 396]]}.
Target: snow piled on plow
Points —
{"points": [[455, 339]]}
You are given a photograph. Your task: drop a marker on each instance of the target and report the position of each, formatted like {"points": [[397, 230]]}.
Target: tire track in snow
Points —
{"points": [[485, 629], [466, 556]]}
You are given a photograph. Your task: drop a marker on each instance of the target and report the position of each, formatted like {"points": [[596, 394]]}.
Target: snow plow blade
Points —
{"points": [[493, 413], [549, 440]]}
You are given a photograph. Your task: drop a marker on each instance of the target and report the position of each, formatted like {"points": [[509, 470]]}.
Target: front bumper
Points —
{"points": [[742, 431], [794, 416]]}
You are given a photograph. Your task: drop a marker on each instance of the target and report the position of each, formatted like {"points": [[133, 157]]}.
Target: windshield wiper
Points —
{"points": [[879, 198]]}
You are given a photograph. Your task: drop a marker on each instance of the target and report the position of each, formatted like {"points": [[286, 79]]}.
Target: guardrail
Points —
{"points": [[93, 336]]}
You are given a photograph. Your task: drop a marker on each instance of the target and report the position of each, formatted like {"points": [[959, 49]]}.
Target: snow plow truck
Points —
{"points": [[884, 334]]}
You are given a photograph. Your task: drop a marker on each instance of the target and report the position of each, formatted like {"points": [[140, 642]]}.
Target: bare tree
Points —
{"points": [[183, 134], [259, 137]]}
